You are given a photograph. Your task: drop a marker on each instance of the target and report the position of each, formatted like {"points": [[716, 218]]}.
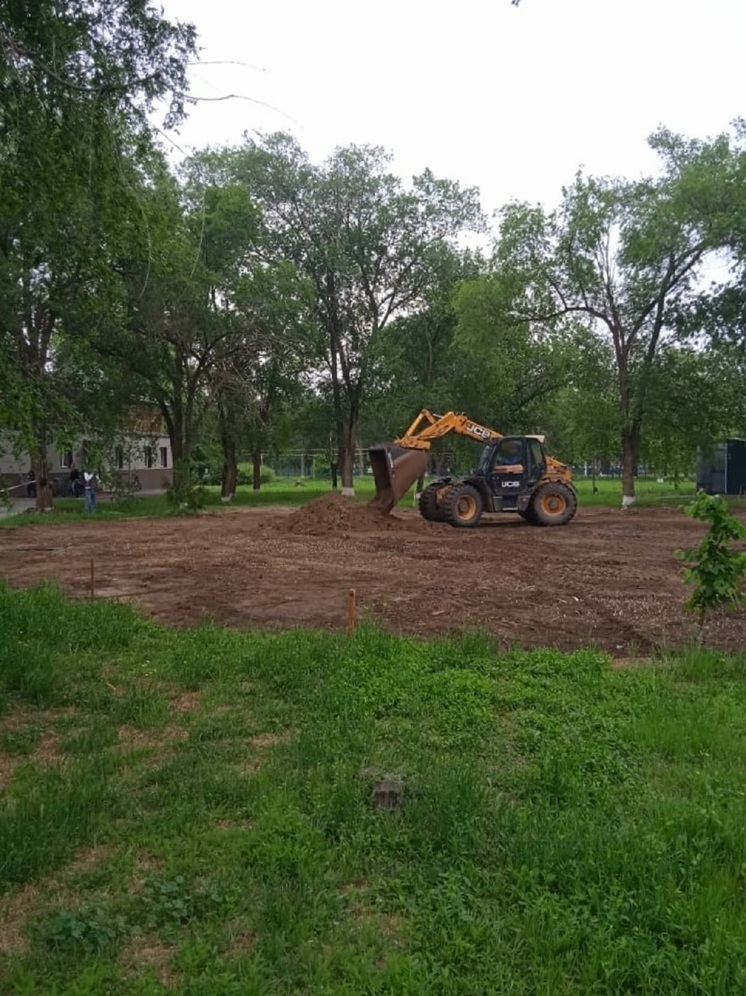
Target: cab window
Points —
{"points": [[508, 453], [537, 454]]}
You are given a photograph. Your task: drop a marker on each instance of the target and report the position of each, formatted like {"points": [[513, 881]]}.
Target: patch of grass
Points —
{"points": [[47, 813], [19, 742], [649, 491], [48, 641], [206, 819], [72, 510]]}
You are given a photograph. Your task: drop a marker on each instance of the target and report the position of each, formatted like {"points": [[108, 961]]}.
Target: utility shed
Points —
{"points": [[722, 470]]}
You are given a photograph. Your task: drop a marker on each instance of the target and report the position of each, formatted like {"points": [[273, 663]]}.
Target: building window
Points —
{"points": [[119, 457], [148, 457], [66, 459], [164, 456]]}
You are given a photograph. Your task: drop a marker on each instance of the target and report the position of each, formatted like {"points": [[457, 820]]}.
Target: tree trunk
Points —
{"points": [[178, 414], [230, 470], [40, 466], [630, 436], [180, 422], [338, 413], [45, 497], [229, 475], [256, 463], [181, 475], [347, 455], [630, 445], [345, 466]]}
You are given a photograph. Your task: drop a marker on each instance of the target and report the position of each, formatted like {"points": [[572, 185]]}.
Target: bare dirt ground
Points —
{"points": [[609, 579]]}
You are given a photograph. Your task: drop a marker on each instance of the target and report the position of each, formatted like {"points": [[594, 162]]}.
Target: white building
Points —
{"points": [[138, 457]]}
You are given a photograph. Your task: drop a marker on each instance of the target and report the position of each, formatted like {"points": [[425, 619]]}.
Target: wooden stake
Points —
{"points": [[93, 582], [351, 611]]}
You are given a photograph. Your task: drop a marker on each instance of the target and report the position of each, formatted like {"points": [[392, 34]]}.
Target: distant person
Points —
{"points": [[90, 484], [31, 486], [75, 482]]}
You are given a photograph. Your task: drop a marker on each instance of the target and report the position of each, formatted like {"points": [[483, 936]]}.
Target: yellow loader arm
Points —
{"points": [[435, 426], [418, 438]]}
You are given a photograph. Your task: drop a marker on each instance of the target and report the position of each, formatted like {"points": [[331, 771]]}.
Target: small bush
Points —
{"points": [[246, 474], [184, 494], [718, 573], [171, 902]]}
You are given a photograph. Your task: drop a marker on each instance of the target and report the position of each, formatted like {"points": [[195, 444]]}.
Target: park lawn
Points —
{"points": [[290, 492], [191, 810]]}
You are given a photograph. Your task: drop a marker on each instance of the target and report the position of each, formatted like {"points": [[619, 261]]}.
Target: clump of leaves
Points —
{"points": [[85, 931], [172, 902], [718, 571]]}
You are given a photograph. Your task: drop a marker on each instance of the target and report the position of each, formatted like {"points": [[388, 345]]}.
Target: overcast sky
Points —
{"points": [[512, 99]]}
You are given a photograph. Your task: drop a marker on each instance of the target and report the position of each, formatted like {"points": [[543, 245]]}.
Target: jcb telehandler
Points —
{"points": [[514, 474]]}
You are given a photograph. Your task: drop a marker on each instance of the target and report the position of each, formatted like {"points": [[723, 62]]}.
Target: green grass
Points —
{"points": [[190, 810], [649, 492], [290, 492]]}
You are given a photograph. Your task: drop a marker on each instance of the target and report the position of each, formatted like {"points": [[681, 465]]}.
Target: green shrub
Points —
{"points": [[170, 902], [185, 495], [82, 932], [246, 474], [718, 572]]}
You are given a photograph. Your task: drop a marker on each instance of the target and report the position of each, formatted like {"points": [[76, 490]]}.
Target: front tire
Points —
{"points": [[462, 506], [554, 504], [429, 506]]}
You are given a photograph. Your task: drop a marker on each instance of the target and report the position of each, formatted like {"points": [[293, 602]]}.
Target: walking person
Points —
{"points": [[91, 491]]}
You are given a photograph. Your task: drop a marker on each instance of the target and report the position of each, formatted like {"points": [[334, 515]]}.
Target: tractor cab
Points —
{"points": [[511, 468]]}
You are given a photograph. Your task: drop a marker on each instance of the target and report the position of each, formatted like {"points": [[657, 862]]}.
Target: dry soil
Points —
{"points": [[610, 578]]}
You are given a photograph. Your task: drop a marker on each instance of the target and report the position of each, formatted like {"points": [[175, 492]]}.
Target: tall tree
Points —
{"points": [[622, 257], [178, 272], [265, 305], [77, 79], [369, 245], [262, 366]]}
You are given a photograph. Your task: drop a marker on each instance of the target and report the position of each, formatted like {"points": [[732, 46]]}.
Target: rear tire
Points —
{"points": [[429, 507], [462, 506], [554, 504]]}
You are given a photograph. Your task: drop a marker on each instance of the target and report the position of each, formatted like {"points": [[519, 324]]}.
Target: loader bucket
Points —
{"points": [[395, 469]]}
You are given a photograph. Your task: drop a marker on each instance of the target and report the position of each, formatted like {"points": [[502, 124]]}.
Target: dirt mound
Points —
{"points": [[335, 514]]}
